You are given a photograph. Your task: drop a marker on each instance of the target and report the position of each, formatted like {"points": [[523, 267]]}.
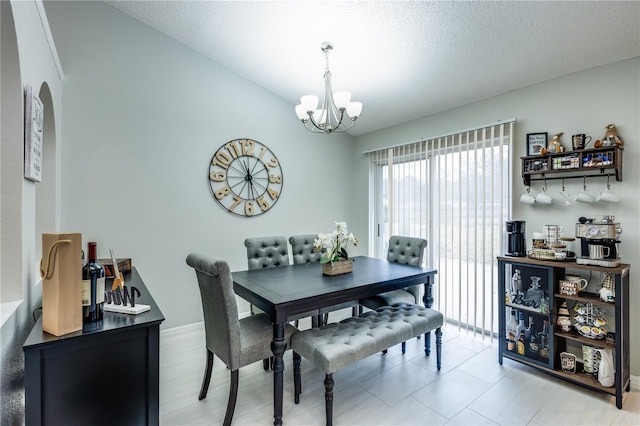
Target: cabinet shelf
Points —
{"points": [[599, 343], [605, 161], [580, 378], [528, 309], [585, 298]]}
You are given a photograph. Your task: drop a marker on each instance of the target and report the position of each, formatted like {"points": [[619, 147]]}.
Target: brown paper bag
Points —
{"points": [[61, 269]]}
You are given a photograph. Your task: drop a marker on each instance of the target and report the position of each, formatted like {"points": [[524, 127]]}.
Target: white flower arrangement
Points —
{"points": [[334, 245]]}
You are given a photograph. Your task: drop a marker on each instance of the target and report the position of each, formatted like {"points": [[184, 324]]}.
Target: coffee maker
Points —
{"points": [[516, 241], [598, 242]]}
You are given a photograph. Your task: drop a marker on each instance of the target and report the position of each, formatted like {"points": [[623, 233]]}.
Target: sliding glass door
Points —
{"points": [[454, 192]]}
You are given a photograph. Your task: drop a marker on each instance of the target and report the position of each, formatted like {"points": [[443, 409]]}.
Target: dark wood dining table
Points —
{"points": [[286, 291]]}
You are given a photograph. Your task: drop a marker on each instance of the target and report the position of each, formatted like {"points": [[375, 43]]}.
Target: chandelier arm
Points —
{"points": [[315, 128]]}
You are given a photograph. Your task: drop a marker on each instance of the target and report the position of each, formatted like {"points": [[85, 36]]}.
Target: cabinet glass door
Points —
{"points": [[528, 304]]}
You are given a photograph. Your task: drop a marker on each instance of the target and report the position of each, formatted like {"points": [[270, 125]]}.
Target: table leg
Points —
{"points": [[427, 298], [278, 346]]}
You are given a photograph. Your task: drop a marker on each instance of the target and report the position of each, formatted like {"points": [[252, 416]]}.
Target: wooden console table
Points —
{"points": [[106, 374]]}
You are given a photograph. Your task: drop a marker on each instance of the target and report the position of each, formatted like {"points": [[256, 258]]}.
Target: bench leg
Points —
{"points": [[438, 348], [297, 380], [427, 343], [328, 398]]}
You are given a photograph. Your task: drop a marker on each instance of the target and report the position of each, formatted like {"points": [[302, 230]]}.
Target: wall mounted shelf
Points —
{"points": [[579, 164]]}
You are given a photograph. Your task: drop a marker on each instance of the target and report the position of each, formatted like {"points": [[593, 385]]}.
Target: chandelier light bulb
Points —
{"points": [[341, 99], [328, 116], [301, 113], [354, 109], [309, 102]]}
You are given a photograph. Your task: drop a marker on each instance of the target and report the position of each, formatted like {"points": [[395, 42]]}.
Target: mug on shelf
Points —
{"points": [[582, 283], [580, 141], [552, 233]]}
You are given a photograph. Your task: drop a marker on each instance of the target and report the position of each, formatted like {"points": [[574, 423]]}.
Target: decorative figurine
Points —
{"points": [[611, 136], [555, 146]]}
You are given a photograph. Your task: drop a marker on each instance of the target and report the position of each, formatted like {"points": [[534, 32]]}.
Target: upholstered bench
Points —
{"points": [[337, 345]]}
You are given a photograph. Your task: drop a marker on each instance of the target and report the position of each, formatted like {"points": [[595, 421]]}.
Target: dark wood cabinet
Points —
{"points": [[106, 374], [617, 313]]}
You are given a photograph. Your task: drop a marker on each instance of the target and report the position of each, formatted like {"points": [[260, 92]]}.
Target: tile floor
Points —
{"points": [[392, 389]]}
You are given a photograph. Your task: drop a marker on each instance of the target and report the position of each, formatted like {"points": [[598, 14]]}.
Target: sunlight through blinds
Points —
{"points": [[454, 191]]}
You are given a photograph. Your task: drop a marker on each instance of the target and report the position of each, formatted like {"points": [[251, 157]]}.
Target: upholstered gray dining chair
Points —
{"points": [[235, 342], [303, 252], [270, 252], [407, 251], [266, 252]]}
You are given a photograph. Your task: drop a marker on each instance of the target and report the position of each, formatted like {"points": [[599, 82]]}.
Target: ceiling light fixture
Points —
{"points": [[330, 116]]}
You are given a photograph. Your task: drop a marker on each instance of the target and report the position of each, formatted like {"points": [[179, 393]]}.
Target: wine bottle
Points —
{"points": [[527, 332], [92, 287], [511, 331], [543, 340], [521, 344], [534, 346], [521, 328]]}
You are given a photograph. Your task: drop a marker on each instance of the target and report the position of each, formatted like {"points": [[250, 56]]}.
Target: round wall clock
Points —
{"points": [[245, 177]]}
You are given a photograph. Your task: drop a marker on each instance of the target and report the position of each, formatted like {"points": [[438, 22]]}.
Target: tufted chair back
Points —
{"points": [[302, 249], [221, 324], [406, 250], [266, 252]]}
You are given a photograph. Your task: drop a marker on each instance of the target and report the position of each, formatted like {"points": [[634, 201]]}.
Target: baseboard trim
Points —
{"points": [[635, 383], [181, 329]]}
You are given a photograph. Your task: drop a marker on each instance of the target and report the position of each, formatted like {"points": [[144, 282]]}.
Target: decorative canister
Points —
{"points": [[337, 267]]}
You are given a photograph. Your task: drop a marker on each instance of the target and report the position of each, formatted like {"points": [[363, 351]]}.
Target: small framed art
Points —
{"points": [[33, 127], [535, 143]]}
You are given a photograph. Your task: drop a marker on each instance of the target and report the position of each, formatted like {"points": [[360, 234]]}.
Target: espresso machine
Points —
{"points": [[516, 241], [598, 241]]}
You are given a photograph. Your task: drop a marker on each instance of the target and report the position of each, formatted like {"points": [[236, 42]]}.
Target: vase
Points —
{"points": [[337, 267]]}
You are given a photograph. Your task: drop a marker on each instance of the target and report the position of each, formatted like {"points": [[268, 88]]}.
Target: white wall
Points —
{"points": [[579, 103], [27, 58], [143, 117]]}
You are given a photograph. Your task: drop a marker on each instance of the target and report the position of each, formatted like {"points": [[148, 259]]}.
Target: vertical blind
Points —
{"points": [[454, 191]]}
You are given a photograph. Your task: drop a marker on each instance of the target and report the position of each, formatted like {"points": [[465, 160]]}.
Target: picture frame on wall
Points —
{"points": [[33, 129], [535, 142]]}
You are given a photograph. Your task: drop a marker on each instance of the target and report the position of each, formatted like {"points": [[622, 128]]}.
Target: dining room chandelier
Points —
{"points": [[330, 117]]}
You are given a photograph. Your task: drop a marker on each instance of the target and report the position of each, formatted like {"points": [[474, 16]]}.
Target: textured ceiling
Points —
{"points": [[403, 60]]}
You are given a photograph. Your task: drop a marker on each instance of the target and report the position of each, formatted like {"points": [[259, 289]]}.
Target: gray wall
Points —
{"points": [[143, 116], [26, 58], [584, 102]]}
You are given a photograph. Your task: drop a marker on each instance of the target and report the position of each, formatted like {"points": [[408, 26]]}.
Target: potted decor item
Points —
{"points": [[335, 259]]}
